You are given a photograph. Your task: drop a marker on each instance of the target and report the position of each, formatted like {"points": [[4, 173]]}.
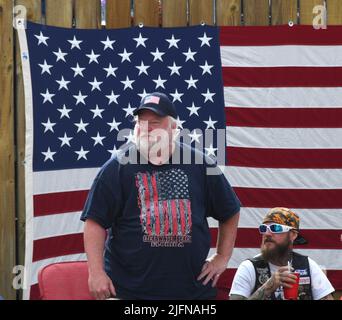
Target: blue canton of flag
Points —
{"points": [[87, 83]]}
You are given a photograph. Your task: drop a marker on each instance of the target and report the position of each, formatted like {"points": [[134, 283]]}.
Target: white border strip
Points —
{"points": [[25, 60]]}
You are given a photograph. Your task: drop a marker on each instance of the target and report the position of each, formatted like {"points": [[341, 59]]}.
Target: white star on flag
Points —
{"points": [[82, 154], [64, 112], [110, 70], [179, 123], [80, 98], [205, 40], [114, 152], [208, 96], [206, 68], [49, 155], [114, 125], [93, 57], [190, 55], [65, 140], [81, 126], [75, 43], [159, 82], [98, 139], [63, 84], [129, 110], [174, 69], [48, 126], [193, 110], [195, 136], [177, 96], [127, 83], [60, 55], [143, 95], [95, 84], [78, 71], [140, 41], [125, 56], [173, 42], [211, 151], [113, 98], [47, 96], [210, 123], [41, 39], [142, 68], [129, 138], [191, 82], [97, 112], [157, 55], [46, 67], [108, 44]]}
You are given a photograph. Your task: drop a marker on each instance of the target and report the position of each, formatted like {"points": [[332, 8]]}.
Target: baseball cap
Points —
{"points": [[159, 103], [285, 217]]}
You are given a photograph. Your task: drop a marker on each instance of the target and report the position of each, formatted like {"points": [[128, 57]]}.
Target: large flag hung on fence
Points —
{"points": [[277, 90]]}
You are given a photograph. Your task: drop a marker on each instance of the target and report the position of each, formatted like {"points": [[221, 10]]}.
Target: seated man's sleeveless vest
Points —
{"points": [[300, 264]]}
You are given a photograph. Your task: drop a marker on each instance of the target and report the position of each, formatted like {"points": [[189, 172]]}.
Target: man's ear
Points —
{"points": [[293, 235]]}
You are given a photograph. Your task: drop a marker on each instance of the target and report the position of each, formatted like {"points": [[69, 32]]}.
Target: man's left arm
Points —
{"points": [[217, 264]]}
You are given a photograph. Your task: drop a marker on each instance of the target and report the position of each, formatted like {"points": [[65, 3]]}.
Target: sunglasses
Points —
{"points": [[274, 228]]}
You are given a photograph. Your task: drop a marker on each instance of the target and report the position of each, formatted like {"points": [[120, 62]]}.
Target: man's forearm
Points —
{"points": [[94, 240], [227, 235]]}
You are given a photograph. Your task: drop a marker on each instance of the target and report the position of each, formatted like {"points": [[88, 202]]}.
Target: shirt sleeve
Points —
{"points": [[320, 285], [103, 202], [244, 280], [222, 200]]}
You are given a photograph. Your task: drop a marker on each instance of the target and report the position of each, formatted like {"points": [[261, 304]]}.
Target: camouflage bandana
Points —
{"points": [[282, 216]]}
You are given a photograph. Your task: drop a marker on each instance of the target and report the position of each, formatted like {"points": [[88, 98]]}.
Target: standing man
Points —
{"points": [[264, 276], [156, 214]]}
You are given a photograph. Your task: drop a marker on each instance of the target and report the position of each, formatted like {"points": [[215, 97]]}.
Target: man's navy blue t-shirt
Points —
{"points": [[159, 236]]}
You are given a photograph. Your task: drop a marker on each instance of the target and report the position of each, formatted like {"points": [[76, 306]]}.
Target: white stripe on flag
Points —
{"points": [[283, 97], [281, 56], [284, 178], [314, 219], [327, 259], [284, 138], [57, 225]]}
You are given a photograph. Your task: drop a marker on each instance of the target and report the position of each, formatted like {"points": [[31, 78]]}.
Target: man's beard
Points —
{"points": [[279, 253]]}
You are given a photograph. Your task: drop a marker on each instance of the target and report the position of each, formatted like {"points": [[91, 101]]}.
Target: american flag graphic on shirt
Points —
{"points": [[165, 207]]}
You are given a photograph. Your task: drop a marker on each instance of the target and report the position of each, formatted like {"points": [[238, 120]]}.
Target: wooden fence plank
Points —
{"points": [[228, 12], [147, 12], [334, 8], [256, 12], [305, 8], [284, 11], [59, 13], [118, 14], [33, 8], [201, 11], [7, 153], [88, 14], [174, 13]]}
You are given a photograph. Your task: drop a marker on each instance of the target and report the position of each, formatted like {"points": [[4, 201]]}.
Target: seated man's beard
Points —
{"points": [[279, 252], [146, 144]]}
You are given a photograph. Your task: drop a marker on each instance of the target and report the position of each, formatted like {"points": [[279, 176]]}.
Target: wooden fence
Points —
{"points": [[89, 14]]}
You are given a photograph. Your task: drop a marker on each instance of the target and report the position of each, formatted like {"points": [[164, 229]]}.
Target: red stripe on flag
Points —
{"points": [[282, 76], [59, 202], [284, 158], [166, 218], [182, 215], [57, 246], [147, 204], [34, 292], [284, 117], [317, 239], [155, 204], [294, 198], [279, 35], [174, 218]]}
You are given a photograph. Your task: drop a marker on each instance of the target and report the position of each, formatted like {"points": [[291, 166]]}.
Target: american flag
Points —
{"points": [[277, 87]]}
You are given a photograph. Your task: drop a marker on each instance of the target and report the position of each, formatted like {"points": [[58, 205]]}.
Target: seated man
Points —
{"points": [[264, 276]]}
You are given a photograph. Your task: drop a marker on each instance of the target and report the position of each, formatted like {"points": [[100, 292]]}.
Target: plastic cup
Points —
{"points": [[292, 293]]}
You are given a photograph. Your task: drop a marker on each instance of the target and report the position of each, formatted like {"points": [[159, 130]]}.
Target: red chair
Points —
{"points": [[64, 281]]}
